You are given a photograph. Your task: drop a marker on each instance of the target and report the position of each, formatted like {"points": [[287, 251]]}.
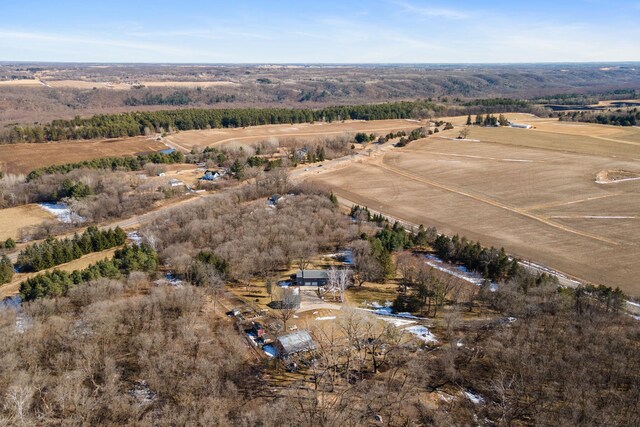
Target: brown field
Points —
{"points": [[23, 158], [203, 138], [13, 219], [87, 84], [530, 191]]}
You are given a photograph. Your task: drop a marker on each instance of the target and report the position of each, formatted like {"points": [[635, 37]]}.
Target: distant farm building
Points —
{"points": [[519, 125], [294, 343], [175, 182], [211, 175], [311, 278], [167, 151]]}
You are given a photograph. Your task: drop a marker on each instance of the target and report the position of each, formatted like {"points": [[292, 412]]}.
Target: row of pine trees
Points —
{"points": [[52, 252]]}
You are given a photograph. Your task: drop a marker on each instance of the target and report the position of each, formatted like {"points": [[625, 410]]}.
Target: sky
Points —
{"points": [[325, 31]]}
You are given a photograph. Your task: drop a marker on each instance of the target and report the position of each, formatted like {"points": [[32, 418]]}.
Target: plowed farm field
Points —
{"points": [[534, 192]]}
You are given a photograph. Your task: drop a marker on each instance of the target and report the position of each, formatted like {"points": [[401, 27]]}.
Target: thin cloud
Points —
{"points": [[430, 12], [16, 37]]}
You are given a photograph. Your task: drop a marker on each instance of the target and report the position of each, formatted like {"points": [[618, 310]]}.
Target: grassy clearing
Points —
{"points": [[13, 219], [203, 138], [23, 158]]}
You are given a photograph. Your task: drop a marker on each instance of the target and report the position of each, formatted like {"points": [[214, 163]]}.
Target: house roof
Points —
{"points": [[313, 274], [168, 150], [296, 342]]}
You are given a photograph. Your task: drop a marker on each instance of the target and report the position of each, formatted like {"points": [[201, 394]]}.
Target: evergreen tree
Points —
{"points": [[237, 169], [6, 269], [9, 243]]}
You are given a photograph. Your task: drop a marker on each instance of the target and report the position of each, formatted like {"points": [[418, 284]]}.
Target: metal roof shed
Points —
{"points": [[296, 342]]}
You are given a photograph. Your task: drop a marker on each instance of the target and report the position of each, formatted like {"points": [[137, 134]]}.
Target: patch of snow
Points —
{"points": [[345, 256], [23, 322], [326, 318], [616, 180], [169, 279], [142, 393], [11, 302], [635, 304], [62, 212], [636, 317], [422, 332], [457, 271], [388, 311], [474, 397], [459, 344], [398, 322], [135, 237]]}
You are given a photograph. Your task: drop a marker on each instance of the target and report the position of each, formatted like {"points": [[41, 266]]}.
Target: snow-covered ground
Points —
{"points": [[326, 318], [398, 322], [62, 212], [404, 321], [599, 181], [635, 304], [458, 271], [135, 237], [23, 321], [474, 397], [422, 332]]}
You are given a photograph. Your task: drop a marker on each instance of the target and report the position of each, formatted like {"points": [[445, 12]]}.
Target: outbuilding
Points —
{"points": [[294, 343], [312, 278]]}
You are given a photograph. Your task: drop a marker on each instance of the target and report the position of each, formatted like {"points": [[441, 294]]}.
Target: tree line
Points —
{"points": [[127, 163], [490, 262], [139, 123], [630, 117], [57, 283], [52, 252], [176, 98]]}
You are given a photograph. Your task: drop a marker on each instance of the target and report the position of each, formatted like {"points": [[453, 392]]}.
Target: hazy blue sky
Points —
{"points": [[320, 31]]}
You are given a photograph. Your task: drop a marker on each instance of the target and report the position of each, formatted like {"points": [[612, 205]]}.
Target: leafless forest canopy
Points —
{"points": [[62, 91]]}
